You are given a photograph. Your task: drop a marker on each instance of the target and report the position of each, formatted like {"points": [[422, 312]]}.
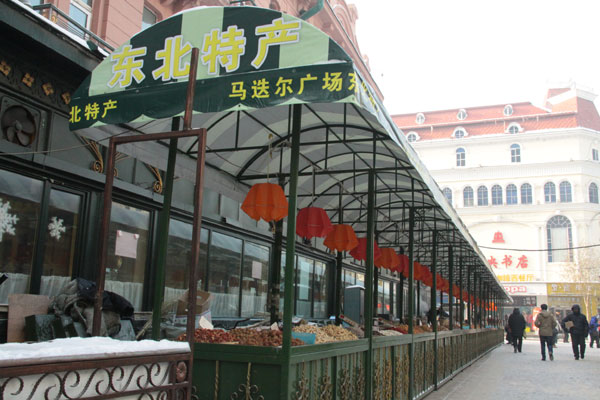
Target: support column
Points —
{"points": [[450, 283], [290, 249], [276, 266], [369, 286], [339, 267], [434, 308], [460, 288], [469, 271], [401, 298], [411, 301], [162, 238]]}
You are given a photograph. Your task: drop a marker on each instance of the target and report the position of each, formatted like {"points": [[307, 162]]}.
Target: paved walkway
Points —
{"points": [[504, 375]]}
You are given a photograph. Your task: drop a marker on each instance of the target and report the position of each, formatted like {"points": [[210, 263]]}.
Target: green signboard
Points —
{"points": [[249, 58]]}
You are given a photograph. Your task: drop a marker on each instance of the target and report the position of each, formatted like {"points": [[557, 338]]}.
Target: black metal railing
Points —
{"points": [[51, 12]]}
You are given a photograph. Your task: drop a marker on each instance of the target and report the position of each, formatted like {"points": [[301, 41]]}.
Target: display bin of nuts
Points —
{"points": [[224, 361]]}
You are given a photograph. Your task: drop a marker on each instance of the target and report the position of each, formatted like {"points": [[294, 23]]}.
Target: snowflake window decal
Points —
{"points": [[56, 227], [7, 220]]}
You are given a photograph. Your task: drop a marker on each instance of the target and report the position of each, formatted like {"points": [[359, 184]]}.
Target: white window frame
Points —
{"points": [[462, 114], [412, 133], [508, 110], [462, 161], [83, 7], [512, 126], [460, 128], [595, 156], [420, 118], [515, 153]]}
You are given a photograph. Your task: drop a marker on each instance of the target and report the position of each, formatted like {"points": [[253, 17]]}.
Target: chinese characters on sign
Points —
{"points": [[91, 111], [508, 262], [219, 49], [263, 89]]}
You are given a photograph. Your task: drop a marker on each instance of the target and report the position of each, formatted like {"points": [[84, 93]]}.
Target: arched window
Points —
{"points": [[565, 192], [508, 110], [496, 195], [460, 157], [468, 196], [550, 192], [511, 194], [420, 118], [482, 196], [448, 194], [593, 193], [412, 137], [513, 128], [526, 197], [560, 236], [462, 114], [459, 133], [515, 153]]}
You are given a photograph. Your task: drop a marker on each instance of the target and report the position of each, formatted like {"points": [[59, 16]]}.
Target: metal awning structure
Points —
{"points": [[256, 66]]}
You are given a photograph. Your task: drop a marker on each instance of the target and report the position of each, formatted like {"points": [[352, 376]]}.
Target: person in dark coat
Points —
{"points": [[578, 330], [516, 324]]}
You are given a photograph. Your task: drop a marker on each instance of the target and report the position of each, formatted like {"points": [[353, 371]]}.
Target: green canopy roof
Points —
{"points": [[254, 64]]}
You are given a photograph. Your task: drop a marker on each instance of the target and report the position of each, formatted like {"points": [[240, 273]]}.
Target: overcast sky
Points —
{"points": [[432, 55]]}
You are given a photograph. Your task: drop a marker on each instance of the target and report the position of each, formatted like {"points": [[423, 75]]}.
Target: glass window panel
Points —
{"points": [[179, 252], [526, 195], [224, 264], [61, 241], [511, 194], [360, 279], [448, 194], [496, 195], [349, 278], [386, 298], [255, 279], [565, 192], [148, 18], [482, 196], [320, 288], [593, 192], [560, 236], [380, 297], [468, 196], [550, 192], [79, 16], [304, 286], [127, 248], [20, 199]]}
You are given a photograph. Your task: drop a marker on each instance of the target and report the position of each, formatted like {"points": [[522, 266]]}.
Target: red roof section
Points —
{"points": [[570, 112]]}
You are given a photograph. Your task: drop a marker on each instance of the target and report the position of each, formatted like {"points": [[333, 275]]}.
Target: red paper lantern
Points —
{"points": [[403, 269], [313, 222], [389, 259], [360, 252], [341, 238], [266, 201]]}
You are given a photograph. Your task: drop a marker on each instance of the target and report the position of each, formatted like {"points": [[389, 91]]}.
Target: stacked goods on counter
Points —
{"points": [[246, 337], [327, 334], [390, 332]]}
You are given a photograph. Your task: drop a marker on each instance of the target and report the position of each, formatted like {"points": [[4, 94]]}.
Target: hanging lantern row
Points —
{"points": [[313, 222], [267, 201]]}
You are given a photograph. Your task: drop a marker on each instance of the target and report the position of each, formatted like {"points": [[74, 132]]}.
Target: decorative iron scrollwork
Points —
{"points": [[302, 389], [157, 186], [247, 390]]}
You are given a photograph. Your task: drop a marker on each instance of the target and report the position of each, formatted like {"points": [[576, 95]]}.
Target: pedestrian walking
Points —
{"points": [[546, 323], [516, 325], [565, 330], [577, 325], [594, 336]]}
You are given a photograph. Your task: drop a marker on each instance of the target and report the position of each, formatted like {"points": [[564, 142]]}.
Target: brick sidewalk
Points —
{"points": [[504, 375]]}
